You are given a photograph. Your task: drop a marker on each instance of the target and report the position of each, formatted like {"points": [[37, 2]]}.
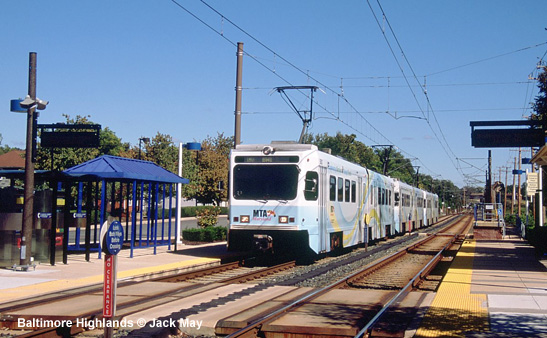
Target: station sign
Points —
{"points": [[111, 245], [109, 286], [531, 183], [113, 239], [517, 133], [79, 215]]}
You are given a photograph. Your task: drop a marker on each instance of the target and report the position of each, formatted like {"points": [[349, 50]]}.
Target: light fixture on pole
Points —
{"points": [[145, 140]]}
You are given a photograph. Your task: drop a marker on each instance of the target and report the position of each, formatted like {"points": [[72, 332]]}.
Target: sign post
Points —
{"points": [[112, 244]]}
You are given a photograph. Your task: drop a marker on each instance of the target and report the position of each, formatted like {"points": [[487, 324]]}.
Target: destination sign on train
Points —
{"points": [[266, 159]]}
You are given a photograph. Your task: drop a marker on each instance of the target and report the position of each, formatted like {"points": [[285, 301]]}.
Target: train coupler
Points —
{"points": [[263, 243]]}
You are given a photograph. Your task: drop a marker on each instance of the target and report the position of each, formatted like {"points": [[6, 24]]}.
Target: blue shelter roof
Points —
{"points": [[119, 168]]}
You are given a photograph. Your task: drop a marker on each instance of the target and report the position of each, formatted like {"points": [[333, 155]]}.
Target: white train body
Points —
{"points": [[294, 197]]}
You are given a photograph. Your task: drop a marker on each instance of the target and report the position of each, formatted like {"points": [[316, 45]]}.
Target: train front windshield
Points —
{"points": [[265, 182]]}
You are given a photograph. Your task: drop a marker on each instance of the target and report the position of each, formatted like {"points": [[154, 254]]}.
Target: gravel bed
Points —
{"points": [[330, 269]]}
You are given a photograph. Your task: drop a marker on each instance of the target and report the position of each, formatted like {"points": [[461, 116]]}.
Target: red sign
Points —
{"points": [[109, 287]]}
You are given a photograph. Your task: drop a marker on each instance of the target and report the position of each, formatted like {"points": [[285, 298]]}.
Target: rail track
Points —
{"points": [[83, 305], [384, 274], [380, 277]]}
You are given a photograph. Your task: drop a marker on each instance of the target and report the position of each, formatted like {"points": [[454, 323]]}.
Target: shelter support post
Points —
{"points": [[133, 219], [53, 230], [88, 211]]}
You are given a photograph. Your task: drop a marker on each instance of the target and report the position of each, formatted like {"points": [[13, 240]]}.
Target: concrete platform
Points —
{"points": [[494, 288], [15, 285]]}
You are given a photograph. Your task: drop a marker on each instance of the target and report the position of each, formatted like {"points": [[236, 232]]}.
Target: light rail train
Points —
{"points": [[287, 197]]}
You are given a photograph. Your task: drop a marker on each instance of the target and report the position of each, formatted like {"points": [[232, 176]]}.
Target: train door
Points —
{"points": [[323, 208], [361, 208]]}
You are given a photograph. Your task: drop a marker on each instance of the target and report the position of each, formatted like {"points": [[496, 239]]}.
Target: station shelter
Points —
{"points": [[139, 194]]}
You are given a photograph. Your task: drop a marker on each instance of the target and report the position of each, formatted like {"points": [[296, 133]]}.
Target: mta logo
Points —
{"points": [[263, 213]]}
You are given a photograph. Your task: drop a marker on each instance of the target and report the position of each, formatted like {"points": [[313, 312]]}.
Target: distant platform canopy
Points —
{"points": [[540, 157]]}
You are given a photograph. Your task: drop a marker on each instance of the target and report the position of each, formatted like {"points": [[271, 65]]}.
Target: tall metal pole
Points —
{"points": [[179, 201], [519, 189], [28, 208], [237, 132], [505, 197], [540, 212], [514, 188]]}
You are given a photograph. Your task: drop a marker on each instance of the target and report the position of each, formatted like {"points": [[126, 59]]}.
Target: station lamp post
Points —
{"points": [[29, 105], [189, 146], [145, 140]]}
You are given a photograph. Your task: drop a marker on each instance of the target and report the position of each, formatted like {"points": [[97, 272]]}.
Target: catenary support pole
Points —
{"points": [[237, 131]]}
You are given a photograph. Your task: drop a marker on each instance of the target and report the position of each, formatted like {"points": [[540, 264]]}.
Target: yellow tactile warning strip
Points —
{"points": [[64, 284], [454, 310]]}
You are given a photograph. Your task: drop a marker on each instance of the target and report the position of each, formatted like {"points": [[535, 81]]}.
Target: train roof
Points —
{"points": [[281, 146]]}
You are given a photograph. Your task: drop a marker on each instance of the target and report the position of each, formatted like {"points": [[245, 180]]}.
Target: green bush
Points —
{"points": [[537, 237], [191, 211], [193, 235], [511, 219], [207, 217], [208, 234]]}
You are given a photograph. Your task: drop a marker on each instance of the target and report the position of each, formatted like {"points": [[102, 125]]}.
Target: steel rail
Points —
{"points": [[252, 328], [410, 285], [405, 290], [140, 305]]}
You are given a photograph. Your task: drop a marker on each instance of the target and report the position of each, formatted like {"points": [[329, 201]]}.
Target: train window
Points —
{"points": [[332, 184], [265, 182], [353, 191], [389, 198], [310, 186], [340, 189], [379, 202], [347, 190]]}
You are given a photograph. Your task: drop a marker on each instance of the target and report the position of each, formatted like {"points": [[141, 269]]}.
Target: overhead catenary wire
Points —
{"points": [[445, 145], [277, 55], [279, 60]]}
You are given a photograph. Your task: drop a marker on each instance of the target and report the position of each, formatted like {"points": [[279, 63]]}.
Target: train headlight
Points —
{"points": [[284, 219], [245, 218], [268, 150]]}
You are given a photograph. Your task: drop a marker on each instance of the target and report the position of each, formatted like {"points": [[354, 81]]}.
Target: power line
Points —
{"points": [[306, 73], [301, 71], [488, 59], [407, 81]]}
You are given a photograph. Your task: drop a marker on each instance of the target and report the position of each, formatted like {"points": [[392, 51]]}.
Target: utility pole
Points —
{"points": [[28, 207], [239, 75], [488, 187]]}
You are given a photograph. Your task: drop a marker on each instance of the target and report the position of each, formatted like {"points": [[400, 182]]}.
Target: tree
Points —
{"points": [[64, 158], [540, 105], [162, 151], [347, 147], [5, 149], [214, 161]]}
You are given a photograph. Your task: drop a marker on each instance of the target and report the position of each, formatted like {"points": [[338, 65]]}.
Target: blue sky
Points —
{"points": [[142, 67]]}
